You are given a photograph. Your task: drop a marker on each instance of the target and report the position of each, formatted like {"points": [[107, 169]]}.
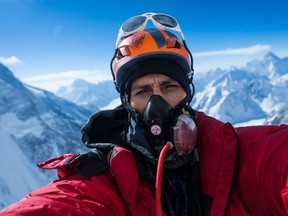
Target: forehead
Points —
{"points": [[151, 78]]}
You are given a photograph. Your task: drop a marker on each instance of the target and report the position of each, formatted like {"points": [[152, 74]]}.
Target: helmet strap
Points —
{"points": [[124, 97], [112, 71]]}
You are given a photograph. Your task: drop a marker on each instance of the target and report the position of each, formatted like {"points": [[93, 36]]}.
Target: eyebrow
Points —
{"points": [[143, 86]]}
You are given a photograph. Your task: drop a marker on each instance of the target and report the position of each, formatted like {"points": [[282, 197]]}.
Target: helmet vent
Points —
{"points": [[122, 52], [137, 41], [173, 43], [119, 55]]}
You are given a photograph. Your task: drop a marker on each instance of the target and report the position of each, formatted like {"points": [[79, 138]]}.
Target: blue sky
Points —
{"points": [[48, 43]]}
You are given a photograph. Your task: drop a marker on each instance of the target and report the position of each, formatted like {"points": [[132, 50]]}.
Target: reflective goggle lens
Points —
{"points": [[165, 20], [133, 24]]}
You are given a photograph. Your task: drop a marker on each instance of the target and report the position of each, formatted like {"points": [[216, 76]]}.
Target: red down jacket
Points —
{"points": [[260, 186]]}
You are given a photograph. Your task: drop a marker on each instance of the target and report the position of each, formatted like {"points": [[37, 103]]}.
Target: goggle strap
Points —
{"points": [[125, 102]]}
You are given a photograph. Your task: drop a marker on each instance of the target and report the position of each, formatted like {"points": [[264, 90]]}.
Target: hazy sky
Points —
{"points": [[48, 43]]}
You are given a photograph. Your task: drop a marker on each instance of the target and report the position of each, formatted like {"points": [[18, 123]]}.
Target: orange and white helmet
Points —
{"points": [[151, 51]]}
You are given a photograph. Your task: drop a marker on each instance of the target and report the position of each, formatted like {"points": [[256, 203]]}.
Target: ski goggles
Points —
{"points": [[138, 23]]}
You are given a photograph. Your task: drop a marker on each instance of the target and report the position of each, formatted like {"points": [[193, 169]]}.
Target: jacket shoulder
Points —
{"points": [[105, 127]]}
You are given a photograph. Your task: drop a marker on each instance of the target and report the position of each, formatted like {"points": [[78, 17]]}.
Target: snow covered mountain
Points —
{"points": [[257, 91], [35, 125], [278, 116], [89, 95]]}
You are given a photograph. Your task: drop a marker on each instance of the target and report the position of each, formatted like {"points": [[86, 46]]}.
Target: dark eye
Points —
{"points": [[171, 86], [142, 91]]}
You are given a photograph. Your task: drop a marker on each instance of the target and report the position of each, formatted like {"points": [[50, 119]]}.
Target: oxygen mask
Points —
{"points": [[164, 124]]}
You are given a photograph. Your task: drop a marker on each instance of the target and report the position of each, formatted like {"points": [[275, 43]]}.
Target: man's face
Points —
{"points": [[155, 84]]}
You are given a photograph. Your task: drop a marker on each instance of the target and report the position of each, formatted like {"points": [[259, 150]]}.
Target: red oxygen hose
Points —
{"points": [[159, 173]]}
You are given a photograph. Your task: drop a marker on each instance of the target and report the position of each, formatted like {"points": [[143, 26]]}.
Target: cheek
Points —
{"points": [[175, 99], [139, 105]]}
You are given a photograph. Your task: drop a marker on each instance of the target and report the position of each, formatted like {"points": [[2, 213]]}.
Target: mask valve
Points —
{"points": [[184, 134]]}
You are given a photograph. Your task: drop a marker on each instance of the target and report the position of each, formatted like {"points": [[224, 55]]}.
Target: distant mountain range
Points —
{"points": [[36, 125], [239, 95]]}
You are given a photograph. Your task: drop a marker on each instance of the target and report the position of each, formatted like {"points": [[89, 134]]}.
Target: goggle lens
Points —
{"points": [[133, 23], [165, 20]]}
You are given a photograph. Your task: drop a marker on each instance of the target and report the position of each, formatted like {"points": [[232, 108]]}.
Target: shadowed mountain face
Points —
{"points": [[38, 125]]}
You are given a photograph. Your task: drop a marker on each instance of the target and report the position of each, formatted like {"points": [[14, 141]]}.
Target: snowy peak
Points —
{"points": [[271, 65], [271, 57], [8, 80], [6, 74], [276, 65], [89, 95], [13, 93]]}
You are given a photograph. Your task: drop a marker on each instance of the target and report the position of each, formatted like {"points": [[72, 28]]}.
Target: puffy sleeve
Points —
{"points": [[263, 169], [72, 194]]}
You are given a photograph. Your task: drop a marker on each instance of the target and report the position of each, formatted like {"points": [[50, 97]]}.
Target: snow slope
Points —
{"points": [[35, 125]]}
